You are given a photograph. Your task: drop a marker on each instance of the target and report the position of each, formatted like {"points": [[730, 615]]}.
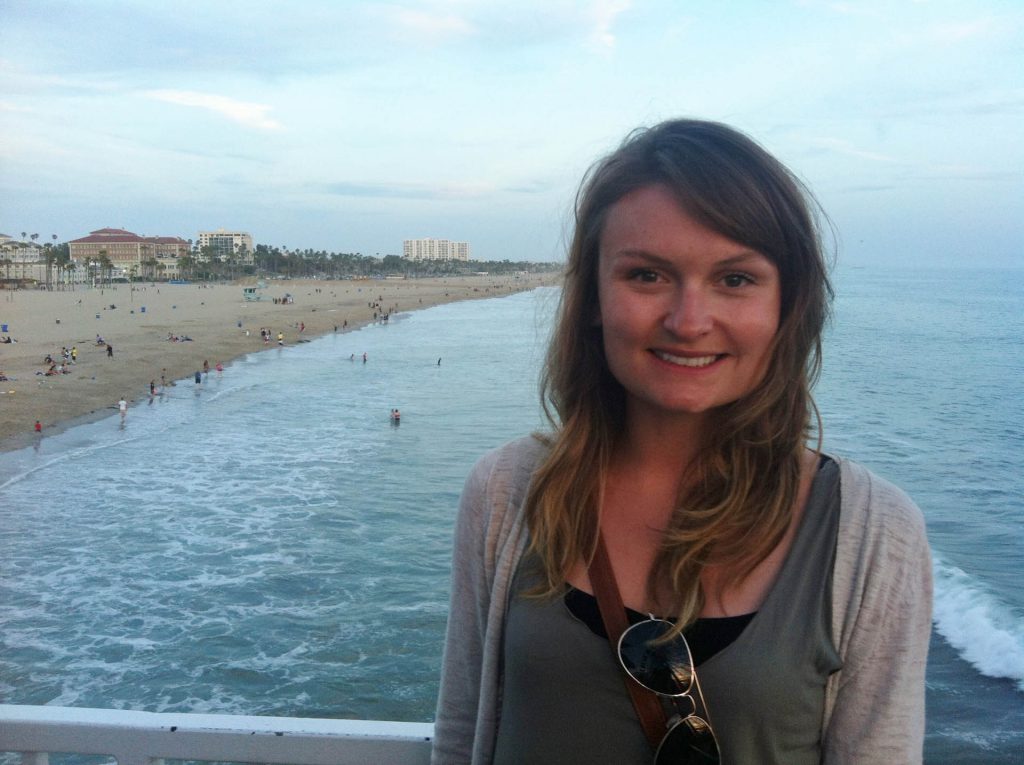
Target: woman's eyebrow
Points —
{"points": [[740, 258], [743, 257]]}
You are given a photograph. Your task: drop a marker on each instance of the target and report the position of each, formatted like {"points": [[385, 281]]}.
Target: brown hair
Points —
{"points": [[745, 478]]}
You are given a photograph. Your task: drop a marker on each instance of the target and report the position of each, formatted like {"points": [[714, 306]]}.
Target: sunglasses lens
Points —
{"points": [[665, 668], [689, 742]]}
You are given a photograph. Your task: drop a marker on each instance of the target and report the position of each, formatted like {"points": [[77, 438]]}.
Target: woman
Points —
{"points": [[679, 469]]}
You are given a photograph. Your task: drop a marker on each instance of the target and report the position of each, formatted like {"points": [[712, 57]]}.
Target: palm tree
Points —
{"points": [[149, 267], [185, 265], [243, 255], [106, 266], [69, 271], [51, 258]]}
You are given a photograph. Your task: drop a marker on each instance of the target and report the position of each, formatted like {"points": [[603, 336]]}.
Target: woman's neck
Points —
{"points": [[660, 445]]}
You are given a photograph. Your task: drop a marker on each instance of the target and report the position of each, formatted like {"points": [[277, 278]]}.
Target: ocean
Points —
{"points": [[269, 542]]}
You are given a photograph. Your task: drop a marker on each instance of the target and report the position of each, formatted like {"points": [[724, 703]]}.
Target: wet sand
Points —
{"points": [[221, 324]]}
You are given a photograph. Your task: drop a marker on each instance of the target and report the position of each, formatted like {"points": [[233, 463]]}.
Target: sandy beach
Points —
{"points": [[221, 325]]}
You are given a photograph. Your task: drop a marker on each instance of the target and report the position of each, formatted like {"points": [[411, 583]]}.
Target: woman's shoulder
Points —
{"points": [[493, 499], [512, 462], [502, 476], [880, 527], [870, 500]]}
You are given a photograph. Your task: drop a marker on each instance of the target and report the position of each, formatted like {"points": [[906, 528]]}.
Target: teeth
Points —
{"points": [[686, 361]]}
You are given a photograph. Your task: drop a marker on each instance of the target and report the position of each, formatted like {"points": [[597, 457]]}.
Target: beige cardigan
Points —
{"points": [[881, 615]]}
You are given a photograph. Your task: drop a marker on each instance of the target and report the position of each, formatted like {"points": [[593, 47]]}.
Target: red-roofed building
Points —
{"points": [[149, 256]]}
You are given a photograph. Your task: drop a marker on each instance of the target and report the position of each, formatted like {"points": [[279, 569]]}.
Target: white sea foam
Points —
{"points": [[983, 630]]}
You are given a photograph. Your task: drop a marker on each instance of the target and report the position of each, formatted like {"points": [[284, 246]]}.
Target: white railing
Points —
{"points": [[146, 738]]}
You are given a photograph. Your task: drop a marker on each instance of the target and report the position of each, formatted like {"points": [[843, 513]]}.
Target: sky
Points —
{"points": [[349, 126]]}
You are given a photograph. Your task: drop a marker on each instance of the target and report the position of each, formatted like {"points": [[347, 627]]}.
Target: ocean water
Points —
{"points": [[269, 543]]}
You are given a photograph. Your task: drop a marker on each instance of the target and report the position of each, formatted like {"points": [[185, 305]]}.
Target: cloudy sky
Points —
{"points": [[349, 126]]}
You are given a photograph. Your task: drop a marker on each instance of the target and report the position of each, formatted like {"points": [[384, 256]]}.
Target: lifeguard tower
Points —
{"points": [[253, 293]]}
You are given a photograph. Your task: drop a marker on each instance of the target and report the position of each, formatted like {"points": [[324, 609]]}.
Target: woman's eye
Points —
{"points": [[737, 280], [643, 275]]}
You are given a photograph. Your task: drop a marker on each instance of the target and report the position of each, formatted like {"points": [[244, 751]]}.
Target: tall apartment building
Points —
{"points": [[228, 244], [125, 250], [435, 249]]}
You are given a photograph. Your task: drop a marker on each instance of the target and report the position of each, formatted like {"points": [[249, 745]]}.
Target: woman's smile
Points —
{"points": [[691, 361]]}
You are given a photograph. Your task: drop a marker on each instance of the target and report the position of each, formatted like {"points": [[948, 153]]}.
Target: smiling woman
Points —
{"points": [[793, 589]]}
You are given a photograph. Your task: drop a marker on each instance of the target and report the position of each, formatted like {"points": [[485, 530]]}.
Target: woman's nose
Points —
{"points": [[690, 314]]}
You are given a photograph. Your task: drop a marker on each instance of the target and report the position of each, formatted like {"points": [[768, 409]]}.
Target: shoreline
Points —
{"points": [[221, 326]]}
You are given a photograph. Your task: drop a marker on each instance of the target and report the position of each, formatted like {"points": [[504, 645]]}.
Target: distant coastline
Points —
{"points": [[220, 324]]}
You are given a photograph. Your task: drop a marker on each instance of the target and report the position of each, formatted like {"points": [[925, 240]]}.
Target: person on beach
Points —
{"points": [[39, 426], [122, 406], [110, 351], [678, 572]]}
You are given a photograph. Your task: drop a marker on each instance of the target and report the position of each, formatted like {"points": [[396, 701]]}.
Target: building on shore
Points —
{"points": [[227, 246], [129, 254], [21, 262], [435, 249]]}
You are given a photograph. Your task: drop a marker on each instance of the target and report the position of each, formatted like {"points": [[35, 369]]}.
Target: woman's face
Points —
{"points": [[688, 316]]}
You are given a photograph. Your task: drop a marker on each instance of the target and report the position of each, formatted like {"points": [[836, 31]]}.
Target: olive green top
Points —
{"points": [[564, 698]]}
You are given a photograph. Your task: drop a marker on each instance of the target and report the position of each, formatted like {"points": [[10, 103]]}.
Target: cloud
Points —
{"points": [[967, 173], [841, 146], [18, 79], [535, 186], [243, 112], [602, 15], [406, 190], [7, 106], [955, 33], [430, 27], [869, 189], [841, 8]]}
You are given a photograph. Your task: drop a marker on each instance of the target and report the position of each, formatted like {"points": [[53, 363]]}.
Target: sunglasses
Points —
{"points": [[666, 669]]}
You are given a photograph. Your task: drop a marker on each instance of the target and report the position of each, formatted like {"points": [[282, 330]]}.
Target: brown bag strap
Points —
{"points": [[613, 614]]}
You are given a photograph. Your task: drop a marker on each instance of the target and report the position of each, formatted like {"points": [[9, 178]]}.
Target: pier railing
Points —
{"points": [[148, 738]]}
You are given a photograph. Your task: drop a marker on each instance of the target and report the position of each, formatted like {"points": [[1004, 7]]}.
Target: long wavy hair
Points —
{"points": [[737, 500]]}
